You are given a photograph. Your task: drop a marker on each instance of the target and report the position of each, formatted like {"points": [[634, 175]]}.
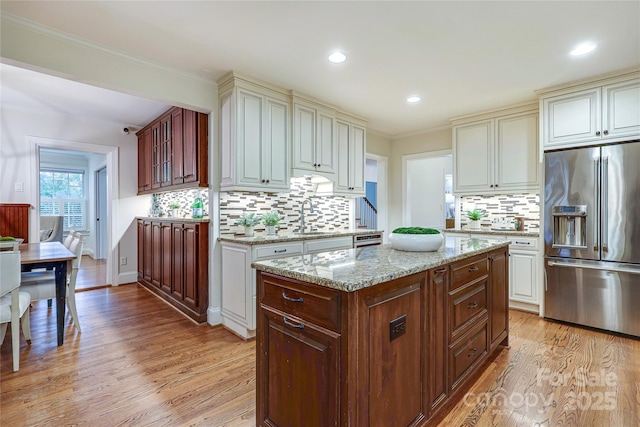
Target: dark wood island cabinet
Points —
{"points": [[376, 337]]}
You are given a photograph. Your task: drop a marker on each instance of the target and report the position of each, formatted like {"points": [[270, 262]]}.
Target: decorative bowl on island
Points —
{"points": [[416, 239]]}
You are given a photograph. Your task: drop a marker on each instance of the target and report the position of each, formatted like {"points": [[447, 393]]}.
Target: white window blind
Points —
{"points": [[62, 193]]}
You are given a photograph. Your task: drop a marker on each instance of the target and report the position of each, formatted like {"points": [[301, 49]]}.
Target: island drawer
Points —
{"points": [[466, 352], [467, 270], [311, 303], [467, 304]]}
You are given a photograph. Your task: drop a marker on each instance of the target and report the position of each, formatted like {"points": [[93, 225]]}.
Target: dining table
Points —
{"points": [[50, 255]]}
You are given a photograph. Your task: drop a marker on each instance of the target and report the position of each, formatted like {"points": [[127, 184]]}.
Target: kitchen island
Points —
{"points": [[375, 336]]}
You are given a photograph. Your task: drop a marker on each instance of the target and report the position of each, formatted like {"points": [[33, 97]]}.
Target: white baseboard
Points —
{"points": [[213, 316], [127, 277], [524, 306]]}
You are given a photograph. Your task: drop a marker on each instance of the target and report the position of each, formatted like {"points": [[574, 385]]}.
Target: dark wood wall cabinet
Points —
{"points": [[173, 260], [173, 152], [14, 220], [400, 353]]}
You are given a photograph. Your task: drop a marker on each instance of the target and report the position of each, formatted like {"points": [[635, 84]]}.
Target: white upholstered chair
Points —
{"points": [[42, 284], [14, 305]]}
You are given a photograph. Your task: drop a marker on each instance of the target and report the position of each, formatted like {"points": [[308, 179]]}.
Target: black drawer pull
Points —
{"points": [[472, 305], [474, 268], [523, 243], [473, 352], [292, 324], [281, 251], [291, 299]]}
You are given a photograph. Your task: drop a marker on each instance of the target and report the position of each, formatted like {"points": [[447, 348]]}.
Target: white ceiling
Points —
{"points": [[461, 57]]}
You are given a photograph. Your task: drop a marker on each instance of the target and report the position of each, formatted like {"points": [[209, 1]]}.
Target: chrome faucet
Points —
{"points": [[302, 213]]}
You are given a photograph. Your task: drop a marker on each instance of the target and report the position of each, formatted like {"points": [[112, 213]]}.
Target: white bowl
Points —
{"points": [[416, 242]]}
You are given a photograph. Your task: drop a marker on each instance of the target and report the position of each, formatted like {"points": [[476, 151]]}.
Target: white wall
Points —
{"points": [[17, 166]]}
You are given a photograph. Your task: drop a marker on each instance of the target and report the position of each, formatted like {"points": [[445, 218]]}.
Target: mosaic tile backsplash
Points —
{"points": [[504, 206], [185, 199], [329, 213]]}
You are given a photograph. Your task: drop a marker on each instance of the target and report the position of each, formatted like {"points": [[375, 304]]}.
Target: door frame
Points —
{"points": [[113, 185], [406, 206], [382, 166], [99, 253]]}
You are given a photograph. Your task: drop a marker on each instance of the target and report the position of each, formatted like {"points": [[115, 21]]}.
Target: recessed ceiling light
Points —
{"points": [[337, 57], [413, 99], [583, 49]]}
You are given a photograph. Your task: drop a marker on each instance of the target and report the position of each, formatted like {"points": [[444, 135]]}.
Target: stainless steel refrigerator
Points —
{"points": [[592, 237]]}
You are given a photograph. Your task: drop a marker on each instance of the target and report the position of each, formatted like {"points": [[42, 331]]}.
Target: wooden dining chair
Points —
{"points": [[14, 304], [42, 284]]}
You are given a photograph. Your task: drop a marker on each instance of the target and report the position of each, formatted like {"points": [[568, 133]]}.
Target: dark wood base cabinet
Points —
{"points": [[395, 354], [173, 260]]}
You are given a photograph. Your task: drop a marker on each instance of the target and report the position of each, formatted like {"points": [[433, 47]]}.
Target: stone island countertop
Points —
{"points": [[261, 238], [494, 231], [353, 269]]}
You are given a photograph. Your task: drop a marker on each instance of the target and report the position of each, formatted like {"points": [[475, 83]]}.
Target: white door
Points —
{"points": [[101, 213]]}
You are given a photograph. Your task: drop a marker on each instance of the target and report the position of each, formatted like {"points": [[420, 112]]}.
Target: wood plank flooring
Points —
{"points": [[138, 362], [92, 273]]}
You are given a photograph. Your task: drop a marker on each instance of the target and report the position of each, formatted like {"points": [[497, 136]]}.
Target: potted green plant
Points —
{"points": [[172, 208], [248, 221], [416, 239], [270, 221], [475, 216]]}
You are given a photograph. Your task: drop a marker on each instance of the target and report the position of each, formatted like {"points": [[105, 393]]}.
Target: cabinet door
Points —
{"points": [[144, 161], [177, 145], [275, 156], [574, 117], [621, 112], [523, 276], [342, 135], [140, 248], [156, 158], [326, 154], [165, 150], [516, 154], [190, 264], [165, 281], [147, 248], [473, 157], [298, 373], [357, 150], [304, 137], [177, 261], [249, 134], [498, 299], [156, 250], [438, 341]]}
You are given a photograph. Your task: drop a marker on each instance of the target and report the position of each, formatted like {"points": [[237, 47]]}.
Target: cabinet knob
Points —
{"points": [[262, 181], [606, 132], [597, 133], [491, 186], [267, 181], [496, 185]]}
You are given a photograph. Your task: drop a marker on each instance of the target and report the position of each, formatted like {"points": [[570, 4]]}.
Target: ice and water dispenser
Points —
{"points": [[569, 226]]}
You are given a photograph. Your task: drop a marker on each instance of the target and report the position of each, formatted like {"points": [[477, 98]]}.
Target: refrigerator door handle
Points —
{"points": [[617, 268], [596, 235], [605, 203]]}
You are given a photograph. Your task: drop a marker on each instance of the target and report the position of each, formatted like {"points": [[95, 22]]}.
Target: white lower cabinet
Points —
{"points": [[239, 279]]}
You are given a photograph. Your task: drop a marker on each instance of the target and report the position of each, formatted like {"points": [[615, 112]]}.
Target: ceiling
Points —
{"points": [[460, 57]]}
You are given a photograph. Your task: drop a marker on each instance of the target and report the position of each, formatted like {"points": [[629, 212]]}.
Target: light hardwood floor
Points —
{"points": [[138, 362], [92, 273]]}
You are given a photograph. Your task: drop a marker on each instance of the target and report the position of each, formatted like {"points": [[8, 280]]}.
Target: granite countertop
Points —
{"points": [[501, 232], [353, 269], [261, 238], [173, 218]]}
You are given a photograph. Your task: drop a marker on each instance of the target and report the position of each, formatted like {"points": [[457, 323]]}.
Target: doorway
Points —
{"points": [[427, 188]]}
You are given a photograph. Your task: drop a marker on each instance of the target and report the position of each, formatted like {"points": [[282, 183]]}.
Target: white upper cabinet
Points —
{"points": [[315, 148], [496, 153], [254, 136], [351, 158], [607, 110]]}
